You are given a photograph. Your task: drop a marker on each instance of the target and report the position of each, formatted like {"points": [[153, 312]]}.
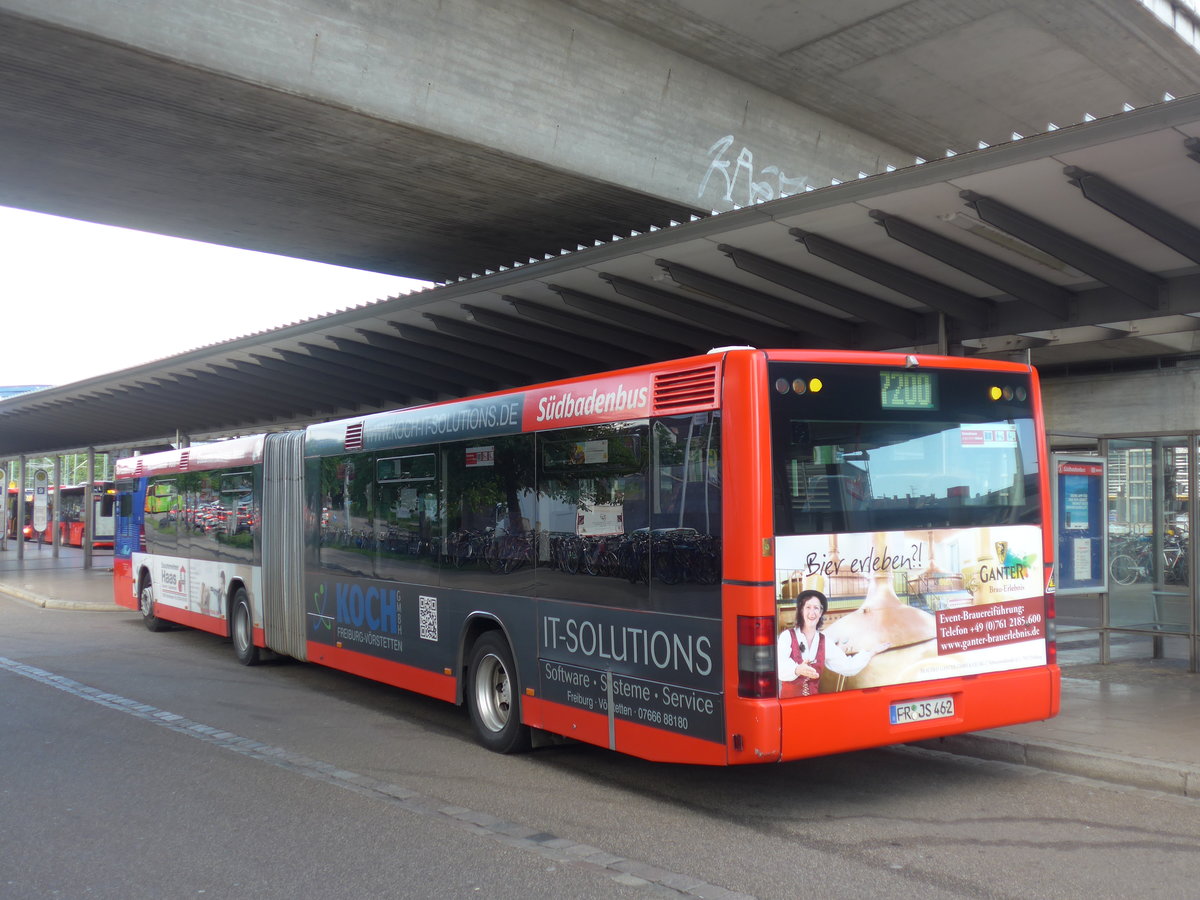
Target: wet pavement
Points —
{"points": [[1134, 721]]}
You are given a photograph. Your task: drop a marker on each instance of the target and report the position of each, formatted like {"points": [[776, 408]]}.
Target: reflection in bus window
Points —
{"points": [[162, 515], [347, 514], [408, 526]]}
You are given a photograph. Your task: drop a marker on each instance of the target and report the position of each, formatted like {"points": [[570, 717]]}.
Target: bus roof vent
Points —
{"points": [[354, 437], [686, 391], [185, 459]]}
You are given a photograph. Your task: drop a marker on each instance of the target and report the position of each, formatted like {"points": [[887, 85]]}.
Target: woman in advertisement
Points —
{"points": [[804, 652]]}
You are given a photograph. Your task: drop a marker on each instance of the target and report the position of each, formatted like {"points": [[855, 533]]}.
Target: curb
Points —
{"points": [[1180, 779], [55, 603]]}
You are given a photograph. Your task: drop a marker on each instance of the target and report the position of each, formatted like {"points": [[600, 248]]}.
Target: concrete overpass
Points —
{"points": [[1075, 248], [440, 139]]}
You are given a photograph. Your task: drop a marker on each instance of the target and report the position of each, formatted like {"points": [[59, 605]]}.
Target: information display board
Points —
{"points": [[1079, 523]]}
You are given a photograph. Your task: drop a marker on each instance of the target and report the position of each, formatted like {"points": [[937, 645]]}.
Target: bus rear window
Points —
{"points": [[858, 449]]}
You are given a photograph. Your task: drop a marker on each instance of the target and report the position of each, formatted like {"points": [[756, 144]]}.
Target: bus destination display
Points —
{"points": [[907, 390]]}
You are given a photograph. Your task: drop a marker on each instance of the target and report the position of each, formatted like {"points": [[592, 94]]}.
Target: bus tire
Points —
{"points": [[241, 629], [493, 696], [146, 606]]}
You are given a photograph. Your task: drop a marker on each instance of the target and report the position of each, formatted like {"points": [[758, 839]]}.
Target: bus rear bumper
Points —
{"points": [[837, 723]]}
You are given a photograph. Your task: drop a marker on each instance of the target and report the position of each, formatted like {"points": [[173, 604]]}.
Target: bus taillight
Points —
{"points": [[756, 656]]}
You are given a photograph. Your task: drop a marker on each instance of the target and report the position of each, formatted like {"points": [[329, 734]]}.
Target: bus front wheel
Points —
{"points": [[146, 606], [242, 629], [493, 697]]}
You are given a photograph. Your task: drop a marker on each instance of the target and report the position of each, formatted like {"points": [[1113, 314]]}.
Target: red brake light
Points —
{"points": [[756, 656]]}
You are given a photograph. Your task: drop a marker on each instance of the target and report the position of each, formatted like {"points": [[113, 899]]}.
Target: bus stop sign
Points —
{"points": [[40, 498]]}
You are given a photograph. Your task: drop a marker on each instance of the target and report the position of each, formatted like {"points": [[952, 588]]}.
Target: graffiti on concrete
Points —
{"points": [[743, 184]]}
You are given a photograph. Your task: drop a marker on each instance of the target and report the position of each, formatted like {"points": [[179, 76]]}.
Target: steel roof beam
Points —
{"points": [[324, 397], [727, 322], [698, 339], [146, 406], [806, 322], [1048, 297], [181, 397], [1164, 227], [954, 303], [560, 362], [486, 375], [456, 381], [892, 318], [309, 399], [378, 369], [283, 397], [447, 381], [97, 412], [356, 381], [582, 346], [304, 374], [610, 332], [509, 368], [1130, 280], [216, 394]]}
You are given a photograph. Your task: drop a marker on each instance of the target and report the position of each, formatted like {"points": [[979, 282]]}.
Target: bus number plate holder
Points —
{"points": [[921, 710]]}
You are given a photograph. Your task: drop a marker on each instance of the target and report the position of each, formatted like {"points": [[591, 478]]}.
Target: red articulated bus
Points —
{"points": [[71, 508], [740, 557]]}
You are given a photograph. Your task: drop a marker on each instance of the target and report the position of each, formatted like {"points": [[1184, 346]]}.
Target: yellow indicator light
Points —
{"points": [[815, 385], [447, 671], [995, 393], [798, 386], [529, 692]]}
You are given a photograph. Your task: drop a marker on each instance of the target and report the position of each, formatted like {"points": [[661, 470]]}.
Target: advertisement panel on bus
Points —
{"points": [[912, 605]]}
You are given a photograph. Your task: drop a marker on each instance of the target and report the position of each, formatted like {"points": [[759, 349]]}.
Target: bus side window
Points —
{"points": [[162, 516], [409, 528], [347, 524]]}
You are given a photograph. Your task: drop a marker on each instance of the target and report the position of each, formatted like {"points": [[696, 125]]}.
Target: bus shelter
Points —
{"points": [[1144, 582]]}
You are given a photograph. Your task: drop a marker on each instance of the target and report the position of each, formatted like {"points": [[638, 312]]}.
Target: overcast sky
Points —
{"points": [[81, 300]]}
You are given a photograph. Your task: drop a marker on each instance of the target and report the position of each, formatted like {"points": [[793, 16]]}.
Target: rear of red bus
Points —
{"points": [[892, 579]]}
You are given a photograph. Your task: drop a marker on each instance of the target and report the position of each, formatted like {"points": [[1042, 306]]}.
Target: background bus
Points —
{"points": [[71, 520], [615, 558]]}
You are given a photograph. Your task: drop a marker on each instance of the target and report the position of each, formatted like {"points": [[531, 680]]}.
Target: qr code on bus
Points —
{"points": [[428, 614]]}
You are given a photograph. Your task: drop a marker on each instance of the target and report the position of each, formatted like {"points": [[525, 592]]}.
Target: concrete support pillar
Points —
{"points": [[22, 508]]}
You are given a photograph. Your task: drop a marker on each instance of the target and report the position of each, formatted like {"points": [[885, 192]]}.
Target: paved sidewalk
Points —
{"points": [[1135, 721]]}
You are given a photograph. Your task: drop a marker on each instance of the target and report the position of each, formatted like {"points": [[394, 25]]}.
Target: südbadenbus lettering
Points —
{"points": [[570, 406], [628, 644]]}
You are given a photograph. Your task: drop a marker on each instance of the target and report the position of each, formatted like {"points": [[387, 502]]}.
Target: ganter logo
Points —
{"points": [[570, 405]]}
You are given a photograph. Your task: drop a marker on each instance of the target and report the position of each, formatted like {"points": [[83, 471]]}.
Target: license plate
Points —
{"points": [[922, 710]]}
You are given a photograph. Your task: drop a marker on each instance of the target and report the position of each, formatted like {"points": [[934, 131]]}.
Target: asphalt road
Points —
{"points": [[152, 765]]}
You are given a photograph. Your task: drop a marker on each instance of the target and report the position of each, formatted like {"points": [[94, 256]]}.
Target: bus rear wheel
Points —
{"points": [[146, 606], [493, 697], [241, 629]]}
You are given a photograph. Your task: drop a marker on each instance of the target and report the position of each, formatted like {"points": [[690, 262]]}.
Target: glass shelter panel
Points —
{"points": [[1148, 499]]}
